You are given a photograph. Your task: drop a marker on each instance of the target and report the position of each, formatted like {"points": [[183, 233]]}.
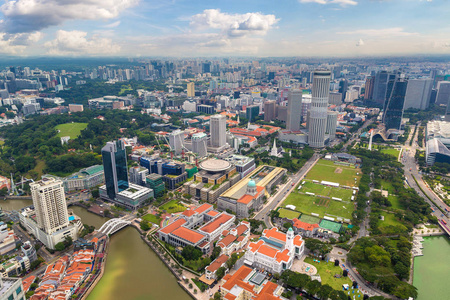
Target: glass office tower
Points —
{"points": [[395, 103], [115, 167]]}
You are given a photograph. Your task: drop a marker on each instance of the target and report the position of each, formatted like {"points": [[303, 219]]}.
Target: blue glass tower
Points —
{"points": [[115, 165], [395, 103]]}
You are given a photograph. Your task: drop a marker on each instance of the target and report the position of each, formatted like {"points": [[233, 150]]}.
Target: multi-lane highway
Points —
{"points": [[285, 190], [411, 173]]}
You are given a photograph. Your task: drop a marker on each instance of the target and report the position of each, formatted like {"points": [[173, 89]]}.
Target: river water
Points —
{"points": [[432, 271], [133, 271]]}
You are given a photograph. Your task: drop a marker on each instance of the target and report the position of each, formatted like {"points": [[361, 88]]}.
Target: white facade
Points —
{"points": [[278, 255], [49, 201], [176, 141], [11, 289], [331, 124], [294, 112], [418, 93], [319, 104], [218, 130]]}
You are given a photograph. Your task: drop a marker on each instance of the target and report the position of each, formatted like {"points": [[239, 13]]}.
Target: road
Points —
{"points": [[356, 134], [263, 214], [411, 172]]}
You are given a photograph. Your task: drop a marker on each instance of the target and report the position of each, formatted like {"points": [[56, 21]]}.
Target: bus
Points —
{"points": [[444, 222]]}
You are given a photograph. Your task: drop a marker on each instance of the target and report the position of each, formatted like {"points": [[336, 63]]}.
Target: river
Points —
{"points": [[133, 271], [431, 271]]}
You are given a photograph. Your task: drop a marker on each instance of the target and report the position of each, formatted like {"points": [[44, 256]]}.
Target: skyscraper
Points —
{"points": [[294, 112], [331, 124], [191, 89], [380, 86], [318, 112], [49, 202], [370, 83], [176, 139], [115, 167], [343, 87], [418, 93], [218, 130], [443, 94], [393, 112], [270, 110]]}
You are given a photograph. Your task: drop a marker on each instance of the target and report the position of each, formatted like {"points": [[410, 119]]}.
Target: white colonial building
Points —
{"points": [[275, 251]]}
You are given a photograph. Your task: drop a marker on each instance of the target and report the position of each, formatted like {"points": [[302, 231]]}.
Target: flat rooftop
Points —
{"points": [[262, 176], [215, 165]]}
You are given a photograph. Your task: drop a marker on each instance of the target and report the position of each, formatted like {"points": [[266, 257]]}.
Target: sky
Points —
{"points": [[198, 28]]}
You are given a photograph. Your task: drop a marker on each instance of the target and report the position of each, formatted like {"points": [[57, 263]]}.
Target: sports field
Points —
{"points": [[289, 214], [70, 129], [323, 190], [328, 171], [310, 204]]}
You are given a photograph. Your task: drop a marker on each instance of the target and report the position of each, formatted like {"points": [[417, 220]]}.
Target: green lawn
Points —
{"points": [[311, 204], [389, 220], [327, 170], [323, 190], [173, 207], [287, 213], [386, 185], [395, 202], [152, 218], [315, 188], [70, 129], [327, 272], [391, 151]]}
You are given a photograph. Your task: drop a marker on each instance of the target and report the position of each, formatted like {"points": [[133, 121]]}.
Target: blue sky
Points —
{"points": [[224, 28]]}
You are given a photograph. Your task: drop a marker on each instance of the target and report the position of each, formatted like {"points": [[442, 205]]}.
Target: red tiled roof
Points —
{"points": [[203, 207], [27, 282], [172, 226], [216, 223], [217, 263], [188, 212], [267, 251], [283, 256], [188, 234], [298, 240], [212, 213], [241, 229], [237, 278], [246, 199], [226, 241], [304, 225], [255, 246], [274, 233]]}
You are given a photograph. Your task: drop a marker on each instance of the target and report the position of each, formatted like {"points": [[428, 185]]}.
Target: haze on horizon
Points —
{"points": [[135, 28]]}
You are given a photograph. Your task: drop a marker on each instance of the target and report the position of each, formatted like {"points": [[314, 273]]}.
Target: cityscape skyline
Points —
{"points": [[341, 28]]}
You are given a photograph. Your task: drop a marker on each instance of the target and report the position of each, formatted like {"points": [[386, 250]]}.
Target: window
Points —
{"points": [[19, 289], [11, 297]]}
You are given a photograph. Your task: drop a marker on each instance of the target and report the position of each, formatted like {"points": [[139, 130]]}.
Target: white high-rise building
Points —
{"points": [[294, 112], [49, 201], [218, 130], [318, 111], [331, 124], [176, 140], [418, 93]]}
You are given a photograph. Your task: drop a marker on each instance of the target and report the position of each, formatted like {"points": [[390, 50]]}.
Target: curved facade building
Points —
{"points": [[318, 111], [332, 117]]}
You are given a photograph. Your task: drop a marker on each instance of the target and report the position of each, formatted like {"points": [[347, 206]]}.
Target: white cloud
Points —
{"points": [[34, 15], [360, 43], [386, 32], [77, 43], [233, 25], [338, 2], [112, 25]]}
